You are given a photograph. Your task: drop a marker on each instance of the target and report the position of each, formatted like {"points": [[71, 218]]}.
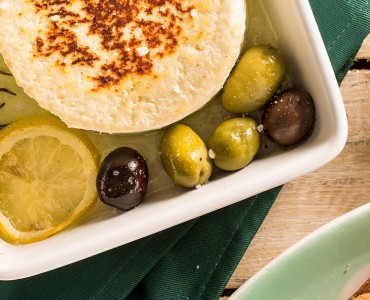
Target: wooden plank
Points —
{"points": [[364, 52], [313, 200]]}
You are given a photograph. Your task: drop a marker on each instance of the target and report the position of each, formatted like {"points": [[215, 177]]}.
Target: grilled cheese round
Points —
{"points": [[121, 66]]}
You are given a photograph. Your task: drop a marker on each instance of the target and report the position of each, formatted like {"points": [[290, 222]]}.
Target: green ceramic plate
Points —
{"points": [[329, 264]]}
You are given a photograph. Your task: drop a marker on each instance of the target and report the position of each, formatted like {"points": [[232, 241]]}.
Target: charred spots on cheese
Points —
{"points": [[131, 34], [65, 42], [59, 37], [39, 44]]}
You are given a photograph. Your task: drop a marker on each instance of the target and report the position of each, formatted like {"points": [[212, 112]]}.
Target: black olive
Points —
{"points": [[288, 118], [122, 179]]}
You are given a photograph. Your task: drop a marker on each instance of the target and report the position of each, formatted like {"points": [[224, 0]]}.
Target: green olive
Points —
{"points": [[184, 156], [254, 80], [235, 142]]}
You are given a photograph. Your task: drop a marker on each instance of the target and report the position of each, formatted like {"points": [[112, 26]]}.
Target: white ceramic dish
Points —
{"points": [[300, 41]]}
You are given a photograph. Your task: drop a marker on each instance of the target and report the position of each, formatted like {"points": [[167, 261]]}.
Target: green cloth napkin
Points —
{"points": [[193, 260]]}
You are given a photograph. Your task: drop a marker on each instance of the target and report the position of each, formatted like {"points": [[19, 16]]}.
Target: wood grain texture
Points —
{"points": [[364, 52], [313, 200]]}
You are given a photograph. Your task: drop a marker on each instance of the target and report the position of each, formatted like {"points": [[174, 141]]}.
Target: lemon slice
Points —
{"points": [[47, 178]]}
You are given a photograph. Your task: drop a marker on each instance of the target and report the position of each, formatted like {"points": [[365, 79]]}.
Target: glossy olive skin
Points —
{"points": [[122, 179], [254, 80], [235, 143], [184, 156], [288, 118]]}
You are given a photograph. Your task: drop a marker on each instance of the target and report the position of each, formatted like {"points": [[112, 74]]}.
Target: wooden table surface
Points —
{"points": [[313, 200]]}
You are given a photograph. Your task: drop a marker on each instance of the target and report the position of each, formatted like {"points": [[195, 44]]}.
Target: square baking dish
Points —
{"points": [[298, 38]]}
